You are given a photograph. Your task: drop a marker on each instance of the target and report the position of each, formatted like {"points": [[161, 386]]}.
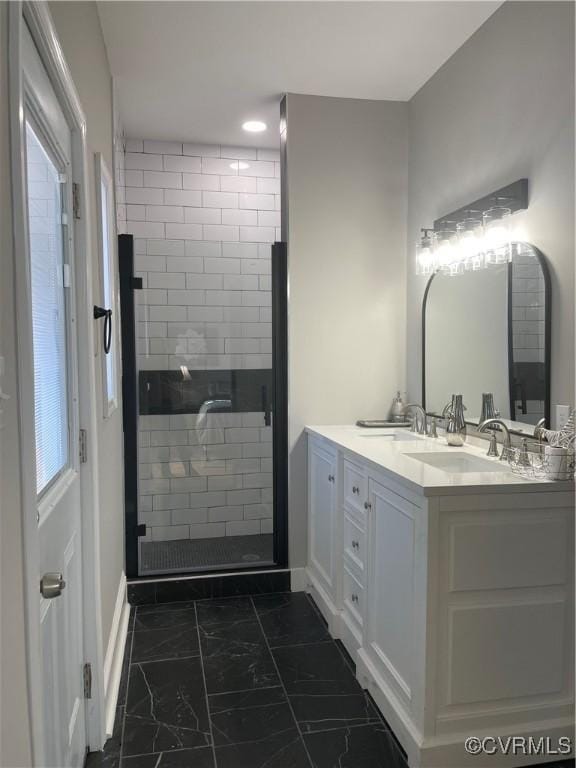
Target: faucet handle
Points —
{"points": [[493, 447]]}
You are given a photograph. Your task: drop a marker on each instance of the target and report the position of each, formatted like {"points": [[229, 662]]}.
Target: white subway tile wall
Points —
{"points": [[120, 181], [528, 310], [203, 218], [205, 477]]}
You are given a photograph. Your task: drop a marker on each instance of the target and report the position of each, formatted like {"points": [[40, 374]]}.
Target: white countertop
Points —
{"points": [[390, 455]]}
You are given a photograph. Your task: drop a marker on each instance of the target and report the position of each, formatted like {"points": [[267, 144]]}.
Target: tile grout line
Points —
{"points": [[201, 657], [167, 658], [301, 645], [282, 683], [121, 753]]}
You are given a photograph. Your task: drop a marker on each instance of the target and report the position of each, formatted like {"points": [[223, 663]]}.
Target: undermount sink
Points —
{"points": [[402, 436], [457, 462]]}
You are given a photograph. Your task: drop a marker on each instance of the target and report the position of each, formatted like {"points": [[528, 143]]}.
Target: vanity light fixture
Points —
{"points": [[254, 126], [425, 260], [497, 240], [471, 242], [447, 254], [473, 237]]}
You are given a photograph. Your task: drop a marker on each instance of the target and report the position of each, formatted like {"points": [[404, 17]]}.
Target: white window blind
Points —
{"points": [[48, 312]]}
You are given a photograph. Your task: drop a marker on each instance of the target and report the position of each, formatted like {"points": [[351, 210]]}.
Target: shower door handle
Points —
{"points": [[265, 405]]}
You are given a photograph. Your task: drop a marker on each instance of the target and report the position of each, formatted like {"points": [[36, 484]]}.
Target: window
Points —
{"points": [[47, 272], [105, 202]]}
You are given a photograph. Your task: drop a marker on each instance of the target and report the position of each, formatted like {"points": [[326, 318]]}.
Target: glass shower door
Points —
{"points": [[205, 410]]}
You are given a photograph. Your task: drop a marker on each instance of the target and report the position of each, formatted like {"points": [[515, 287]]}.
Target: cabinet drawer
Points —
{"points": [[355, 542], [353, 597], [355, 486]]}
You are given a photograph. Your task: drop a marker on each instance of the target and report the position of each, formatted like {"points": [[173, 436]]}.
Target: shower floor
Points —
{"points": [[204, 554]]}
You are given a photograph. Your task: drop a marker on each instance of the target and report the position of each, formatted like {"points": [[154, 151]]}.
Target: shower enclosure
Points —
{"points": [[204, 352]]}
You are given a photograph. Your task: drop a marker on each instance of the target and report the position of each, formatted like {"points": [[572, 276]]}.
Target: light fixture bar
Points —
{"points": [[514, 196]]}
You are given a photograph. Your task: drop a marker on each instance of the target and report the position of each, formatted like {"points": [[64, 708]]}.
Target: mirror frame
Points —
{"points": [[547, 331]]}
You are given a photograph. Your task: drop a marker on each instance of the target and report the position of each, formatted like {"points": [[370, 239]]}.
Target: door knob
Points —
{"points": [[51, 585]]}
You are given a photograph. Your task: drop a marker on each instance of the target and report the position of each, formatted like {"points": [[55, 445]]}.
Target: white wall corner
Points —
{"points": [[114, 658]]}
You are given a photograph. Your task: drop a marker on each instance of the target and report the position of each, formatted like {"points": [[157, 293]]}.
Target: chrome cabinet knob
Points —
{"points": [[355, 545], [367, 505], [354, 598], [355, 489], [51, 585], [330, 478]]}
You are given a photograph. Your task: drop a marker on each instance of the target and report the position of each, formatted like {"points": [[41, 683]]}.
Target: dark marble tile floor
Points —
{"points": [[242, 682]]}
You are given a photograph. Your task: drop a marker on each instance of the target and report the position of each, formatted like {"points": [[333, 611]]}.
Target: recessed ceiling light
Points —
{"points": [[239, 165], [254, 126]]}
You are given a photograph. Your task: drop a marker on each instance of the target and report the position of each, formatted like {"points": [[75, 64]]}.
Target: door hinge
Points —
{"points": [[87, 680], [141, 529], [83, 446], [76, 200]]}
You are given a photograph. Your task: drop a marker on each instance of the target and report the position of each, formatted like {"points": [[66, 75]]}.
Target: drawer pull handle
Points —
{"points": [[355, 489], [354, 598], [367, 505], [355, 545]]}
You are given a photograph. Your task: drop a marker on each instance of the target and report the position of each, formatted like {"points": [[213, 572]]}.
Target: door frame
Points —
{"points": [[37, 16]]}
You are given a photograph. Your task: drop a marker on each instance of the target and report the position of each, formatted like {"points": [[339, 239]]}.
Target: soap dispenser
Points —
{"points": [[397, 411]]}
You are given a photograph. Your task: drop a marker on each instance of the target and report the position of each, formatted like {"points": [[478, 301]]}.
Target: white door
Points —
{"points": [[54, 350]]}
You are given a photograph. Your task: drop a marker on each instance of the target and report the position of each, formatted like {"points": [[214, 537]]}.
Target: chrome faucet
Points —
{"points": [[540, 429], [419, 420], [507, 441]]}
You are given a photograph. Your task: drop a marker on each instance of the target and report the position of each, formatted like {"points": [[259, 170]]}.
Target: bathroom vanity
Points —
{"points": [[449, 580]]}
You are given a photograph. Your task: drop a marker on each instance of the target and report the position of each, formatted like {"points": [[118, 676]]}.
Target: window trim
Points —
{"points": [[49, 494], [103, 178]]}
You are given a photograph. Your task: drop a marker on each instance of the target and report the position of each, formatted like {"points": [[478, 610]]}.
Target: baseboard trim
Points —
{"points": [[298, 580], [215, 585], [115, 655], [324, 603]]}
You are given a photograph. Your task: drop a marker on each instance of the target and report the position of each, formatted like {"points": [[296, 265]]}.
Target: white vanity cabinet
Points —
{"points": [[390, 646], [456, 604], [323, 528]]}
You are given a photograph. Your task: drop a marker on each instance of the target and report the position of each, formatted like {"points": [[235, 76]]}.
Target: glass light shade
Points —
{"points": [[497, 241], [425, 261], [471, 243], [446, 252]]}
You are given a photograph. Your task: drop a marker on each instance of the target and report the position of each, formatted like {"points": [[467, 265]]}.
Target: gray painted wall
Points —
{"points": [[500, 109], [80, 34], [347, 185]]}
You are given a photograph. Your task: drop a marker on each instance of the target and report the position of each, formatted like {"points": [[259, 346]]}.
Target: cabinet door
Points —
{"points": [[322, 515], [390, 587]]}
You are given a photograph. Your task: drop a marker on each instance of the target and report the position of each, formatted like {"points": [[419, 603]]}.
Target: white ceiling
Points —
{"points": [[197, 70]]}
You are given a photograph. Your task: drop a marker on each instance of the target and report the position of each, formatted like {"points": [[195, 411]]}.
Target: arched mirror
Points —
{"points": [[489, 331]]}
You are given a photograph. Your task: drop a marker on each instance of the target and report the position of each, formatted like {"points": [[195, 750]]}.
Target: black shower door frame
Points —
{"points": [[130, 401]]}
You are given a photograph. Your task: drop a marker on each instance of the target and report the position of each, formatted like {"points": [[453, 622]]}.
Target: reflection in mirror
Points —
{"points": [[488, 331]]}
